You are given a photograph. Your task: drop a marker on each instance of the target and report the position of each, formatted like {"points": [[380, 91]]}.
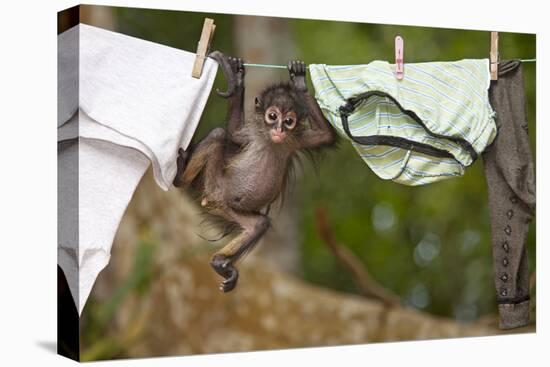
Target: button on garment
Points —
{"points": [[510, 176]]}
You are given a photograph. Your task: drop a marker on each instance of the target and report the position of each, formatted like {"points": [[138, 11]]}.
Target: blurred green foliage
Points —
{"points": [[429, 244]]}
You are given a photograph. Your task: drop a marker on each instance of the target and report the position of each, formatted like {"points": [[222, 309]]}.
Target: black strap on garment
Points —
{"points": [[513, 301], [395, 141]]}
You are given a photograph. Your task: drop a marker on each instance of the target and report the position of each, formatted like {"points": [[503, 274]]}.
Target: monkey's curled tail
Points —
{"points": [[227, 71]]}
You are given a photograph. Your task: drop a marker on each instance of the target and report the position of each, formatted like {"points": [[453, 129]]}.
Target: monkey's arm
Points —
{"points": [[321, 132], [235, 112], [233, 70]]}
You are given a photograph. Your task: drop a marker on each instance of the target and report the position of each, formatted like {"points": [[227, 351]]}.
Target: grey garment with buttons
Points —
{"points": [[510, 176]]}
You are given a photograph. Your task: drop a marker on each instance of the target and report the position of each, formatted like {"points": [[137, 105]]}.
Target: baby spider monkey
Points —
{"points": [[240, 170]]}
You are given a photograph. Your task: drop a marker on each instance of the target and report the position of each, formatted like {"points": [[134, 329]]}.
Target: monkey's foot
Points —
{"points": [[183, 157], [223, 266]]}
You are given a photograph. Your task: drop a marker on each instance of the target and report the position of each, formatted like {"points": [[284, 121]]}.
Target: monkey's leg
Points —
{"points": [[189, 167], [181, 162], [254, 227]]}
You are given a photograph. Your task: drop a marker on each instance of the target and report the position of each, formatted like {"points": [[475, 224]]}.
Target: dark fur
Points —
{"points": [[283, 94], [241, 170]]}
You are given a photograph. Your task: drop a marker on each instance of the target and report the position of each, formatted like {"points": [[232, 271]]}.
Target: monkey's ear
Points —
{"points": [[258, 103]]}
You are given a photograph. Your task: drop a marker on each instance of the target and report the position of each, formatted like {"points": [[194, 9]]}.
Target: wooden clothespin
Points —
{"points": [[204, 44], [399, 57], [494, 56]]}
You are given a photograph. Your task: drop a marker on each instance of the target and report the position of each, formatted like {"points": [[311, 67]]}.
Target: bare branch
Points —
{"points": [[366, 284]]}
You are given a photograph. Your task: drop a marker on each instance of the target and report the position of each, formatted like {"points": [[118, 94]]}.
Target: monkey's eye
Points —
{"points": [[289, 122], [272, 116]]}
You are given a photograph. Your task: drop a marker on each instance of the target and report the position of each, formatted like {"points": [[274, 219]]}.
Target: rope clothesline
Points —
{"points": [[269, 66], [266, 66]]}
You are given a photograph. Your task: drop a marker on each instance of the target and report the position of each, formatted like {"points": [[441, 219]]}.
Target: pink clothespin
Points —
{"points": [[494, 56], [399, 57]]}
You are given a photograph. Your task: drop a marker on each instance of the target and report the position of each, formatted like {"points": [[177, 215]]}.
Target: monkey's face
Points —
{"points": [[280, 123]]}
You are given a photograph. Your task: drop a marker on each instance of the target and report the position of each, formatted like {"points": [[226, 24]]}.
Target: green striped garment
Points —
{"points": [[424, 128]]}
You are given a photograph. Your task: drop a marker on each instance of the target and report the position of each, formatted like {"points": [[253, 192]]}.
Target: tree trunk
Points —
{"points": [[98, 16]]}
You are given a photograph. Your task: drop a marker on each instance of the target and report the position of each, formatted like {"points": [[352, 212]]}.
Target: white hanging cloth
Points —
{"points": [[123, 103]]}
